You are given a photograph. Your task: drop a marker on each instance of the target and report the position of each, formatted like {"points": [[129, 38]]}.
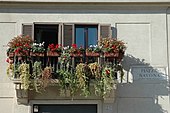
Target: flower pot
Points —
{"points": [[111, 54], [92, 54], [76, 54], [36, 54], [50, 53]]}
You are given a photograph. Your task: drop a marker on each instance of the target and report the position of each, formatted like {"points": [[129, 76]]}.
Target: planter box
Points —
{"points": [[50, 53], [22, 54], [36, 54], [76, 55], [115, 55], [92, 54]]}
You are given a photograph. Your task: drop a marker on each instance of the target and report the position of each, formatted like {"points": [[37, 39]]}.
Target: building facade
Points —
{"points": [[144, 25]]}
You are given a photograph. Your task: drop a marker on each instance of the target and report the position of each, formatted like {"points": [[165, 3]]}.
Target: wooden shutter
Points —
{"points": [[68, 35], [104, 31], [27, 29]]}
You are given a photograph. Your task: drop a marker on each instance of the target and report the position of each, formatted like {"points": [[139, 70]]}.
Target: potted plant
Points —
{"points": [[76, 51], [20, 45], [93, 50], [54, 50], [112, 47], [37, 49]]}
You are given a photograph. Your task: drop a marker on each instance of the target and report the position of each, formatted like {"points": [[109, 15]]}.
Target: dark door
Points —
{"points": [[73, 108]]}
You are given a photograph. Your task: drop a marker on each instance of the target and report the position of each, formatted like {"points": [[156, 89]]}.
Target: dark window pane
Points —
{"points": [[46, 33]]}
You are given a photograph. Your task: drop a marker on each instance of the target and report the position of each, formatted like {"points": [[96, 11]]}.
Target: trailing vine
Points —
{"points": [[67, 78], [24, 75], [36, 74], [10, 70], [83, 74], [104, 83], [46, 76]]}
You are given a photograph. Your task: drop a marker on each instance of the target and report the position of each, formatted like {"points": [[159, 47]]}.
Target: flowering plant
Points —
{"points": [[94, 48], [55, 48], [20, 45], [38, 48], [76, 50], [110, 45]]}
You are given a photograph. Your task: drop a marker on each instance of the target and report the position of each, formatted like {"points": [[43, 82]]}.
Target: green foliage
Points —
{"points": [[83, 74], [38, 48], [24, 75], [104, 83]]}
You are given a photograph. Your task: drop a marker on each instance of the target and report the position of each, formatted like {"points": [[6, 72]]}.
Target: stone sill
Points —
{"points": [[23, 96]]}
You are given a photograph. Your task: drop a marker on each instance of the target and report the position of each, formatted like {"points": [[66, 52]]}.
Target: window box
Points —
{"points": [[53, 54], [36, 54], [92, 54], [114, 55], [76, 54]]}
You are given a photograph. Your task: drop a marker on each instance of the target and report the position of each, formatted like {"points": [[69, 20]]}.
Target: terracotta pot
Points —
{"points": [[92, 54], [36, 54], [22, 54], [115, 55], [50, 53]]}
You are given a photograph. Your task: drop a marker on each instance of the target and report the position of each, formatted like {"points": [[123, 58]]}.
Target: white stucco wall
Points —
{"points": [[144, 28]]}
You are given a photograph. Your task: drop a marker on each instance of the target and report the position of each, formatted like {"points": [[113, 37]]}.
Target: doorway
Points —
{"points": [[65, 108]]}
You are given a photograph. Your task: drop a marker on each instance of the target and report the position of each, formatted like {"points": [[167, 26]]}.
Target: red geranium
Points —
{"points": [[107, 72], [74, 45]]}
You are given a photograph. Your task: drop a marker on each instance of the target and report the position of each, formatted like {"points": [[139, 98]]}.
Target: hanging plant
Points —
{"points": [[36, 74], [104, 83], [95, 70], [24, 75], [46, 76], [83, 74], [67, 81], [67, 78], [10, 70]]}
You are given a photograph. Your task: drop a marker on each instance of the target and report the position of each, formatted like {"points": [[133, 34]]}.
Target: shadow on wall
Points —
{"points": [[148, 89]]}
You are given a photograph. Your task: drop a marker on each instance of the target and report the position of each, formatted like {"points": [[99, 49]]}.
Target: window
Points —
{"points": [[86, 35], [67, 34], [46, 33]]}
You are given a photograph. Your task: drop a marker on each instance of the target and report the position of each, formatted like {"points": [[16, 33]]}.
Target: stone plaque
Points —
{"points": [[149, 74]]}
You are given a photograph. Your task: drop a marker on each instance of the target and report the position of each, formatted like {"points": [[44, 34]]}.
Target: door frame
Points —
{"points": [[97, 102]]}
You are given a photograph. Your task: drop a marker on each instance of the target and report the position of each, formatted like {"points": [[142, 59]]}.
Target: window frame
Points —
{"points": [[61, 28]]}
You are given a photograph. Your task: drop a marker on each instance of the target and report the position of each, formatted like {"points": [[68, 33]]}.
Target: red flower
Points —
{"points": [[74, 45], [113, 46], [57, 46], [18, 50], [107, 72], [7, 60], [51, 46], [17, 45], [26, 45]]}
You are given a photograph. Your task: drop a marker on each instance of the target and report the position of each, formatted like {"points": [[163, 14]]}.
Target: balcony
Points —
{"points": [[74, 71]]}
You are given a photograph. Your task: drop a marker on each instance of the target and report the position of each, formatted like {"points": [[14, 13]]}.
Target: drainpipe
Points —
{"points": [[168, 52]]}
